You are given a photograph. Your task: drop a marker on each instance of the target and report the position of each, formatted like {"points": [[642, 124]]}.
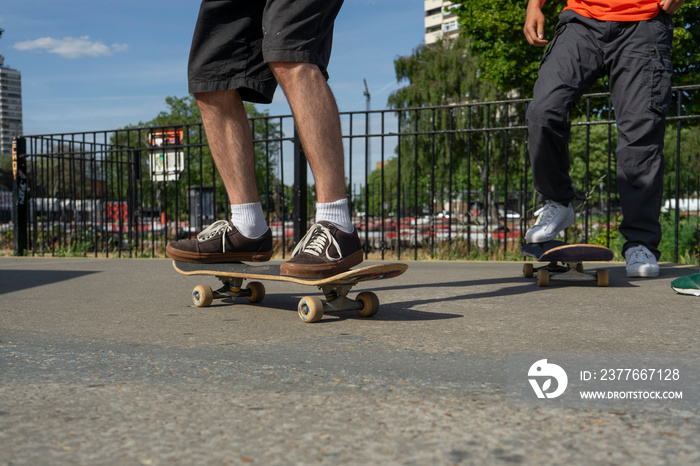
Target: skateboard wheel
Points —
{"points": [[543, 277], [528, 270], [370, 304], [310, 309], [202, 296], [257, 292], [602, 277]]}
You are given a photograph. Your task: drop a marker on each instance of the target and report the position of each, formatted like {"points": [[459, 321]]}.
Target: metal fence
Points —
{"points": [[430, 182]]}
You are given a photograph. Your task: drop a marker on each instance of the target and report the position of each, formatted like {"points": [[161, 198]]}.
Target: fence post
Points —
{"points": [[300, 190], [20, 195]]}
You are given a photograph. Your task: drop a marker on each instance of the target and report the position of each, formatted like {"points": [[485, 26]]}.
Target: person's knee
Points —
{"points": [[547, 109], [289, 71]]}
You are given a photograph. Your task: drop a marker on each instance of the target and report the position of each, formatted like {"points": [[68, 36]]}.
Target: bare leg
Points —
{"points": [[316, 117], [325, 250], [231, 143]]}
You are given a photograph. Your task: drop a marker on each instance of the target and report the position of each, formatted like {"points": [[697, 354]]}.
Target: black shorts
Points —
{"points": [[235, 39]]}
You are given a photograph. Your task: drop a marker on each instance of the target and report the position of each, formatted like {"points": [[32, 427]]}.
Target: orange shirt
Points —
{"points": [[615, 10]]}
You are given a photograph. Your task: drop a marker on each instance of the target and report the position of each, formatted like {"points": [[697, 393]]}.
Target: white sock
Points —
{"points": [[249, 219], [335, 212]]}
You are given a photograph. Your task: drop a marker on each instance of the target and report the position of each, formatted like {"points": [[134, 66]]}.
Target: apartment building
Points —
{"points": [[10, 106], [439, 22]]}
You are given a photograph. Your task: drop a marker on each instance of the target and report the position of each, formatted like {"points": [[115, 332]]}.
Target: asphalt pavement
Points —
{"points": [[106, 361]]}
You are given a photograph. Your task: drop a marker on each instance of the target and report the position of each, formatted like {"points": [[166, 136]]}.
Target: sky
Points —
{"points": [[92, 65]]}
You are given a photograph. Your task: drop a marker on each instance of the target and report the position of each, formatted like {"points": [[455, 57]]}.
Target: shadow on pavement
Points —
{"points": [[462, 290], [16, 280]]}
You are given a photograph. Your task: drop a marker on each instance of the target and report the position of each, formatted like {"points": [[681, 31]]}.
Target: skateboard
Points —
{"points": [[310, 308], [565, 262]]}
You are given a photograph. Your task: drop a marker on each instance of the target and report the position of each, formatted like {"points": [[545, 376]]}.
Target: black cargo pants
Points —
{"points": [[636, 56]]}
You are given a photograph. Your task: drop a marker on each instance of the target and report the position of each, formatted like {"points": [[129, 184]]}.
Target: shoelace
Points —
{"points": [[639, 255], [316, 241], [219, 227], [545, 214]]}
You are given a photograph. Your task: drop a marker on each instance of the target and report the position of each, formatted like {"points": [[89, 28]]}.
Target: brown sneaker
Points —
{"points": [[324, 251], [221, 242]]}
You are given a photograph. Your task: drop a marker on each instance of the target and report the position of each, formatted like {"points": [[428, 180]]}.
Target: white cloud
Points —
{"points": [[71, 47], [120, 47]]}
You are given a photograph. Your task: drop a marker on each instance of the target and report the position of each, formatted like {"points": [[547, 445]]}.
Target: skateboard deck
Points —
{"points": [[310, 308], [565, 262]]}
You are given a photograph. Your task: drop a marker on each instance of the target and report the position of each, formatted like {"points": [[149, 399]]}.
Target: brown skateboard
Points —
{"points": [[565, 262], [310, 308]]}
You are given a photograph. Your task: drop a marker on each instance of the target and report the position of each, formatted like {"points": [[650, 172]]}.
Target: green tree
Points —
{"points": [[443, 73], [686, 157], [199, 170], [495, 32], [183, 111], [440, 153]]}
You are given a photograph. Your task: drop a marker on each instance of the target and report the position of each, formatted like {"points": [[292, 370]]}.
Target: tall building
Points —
{"points": [[10, 106], [439, 22]]}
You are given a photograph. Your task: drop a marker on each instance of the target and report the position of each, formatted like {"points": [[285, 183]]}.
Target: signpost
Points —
{"points": [[167, 160]]}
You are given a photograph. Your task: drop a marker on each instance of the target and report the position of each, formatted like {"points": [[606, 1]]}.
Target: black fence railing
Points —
{"points": [[431, 182]]}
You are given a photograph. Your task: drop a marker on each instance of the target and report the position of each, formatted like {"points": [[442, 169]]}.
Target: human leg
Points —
{"points": [[231, 143], [640, 64], [297, 49], [247, 236], [571, 65], [332, 244], [226, 65], [318, 123]]}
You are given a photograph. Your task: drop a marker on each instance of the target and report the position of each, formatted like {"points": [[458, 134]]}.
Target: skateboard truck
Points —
{"points": [[565, 262], [203, 296], [564, 271], [310, 308]]}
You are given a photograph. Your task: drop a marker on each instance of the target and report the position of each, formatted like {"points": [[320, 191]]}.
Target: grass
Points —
{"points": [[457, 249]]}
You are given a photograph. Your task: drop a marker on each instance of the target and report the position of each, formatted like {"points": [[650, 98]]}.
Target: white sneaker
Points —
{"points": [[553, 218], [641, 263]]}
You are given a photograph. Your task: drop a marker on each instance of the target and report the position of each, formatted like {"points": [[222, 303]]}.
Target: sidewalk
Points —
{"points": [[107, 361]]}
